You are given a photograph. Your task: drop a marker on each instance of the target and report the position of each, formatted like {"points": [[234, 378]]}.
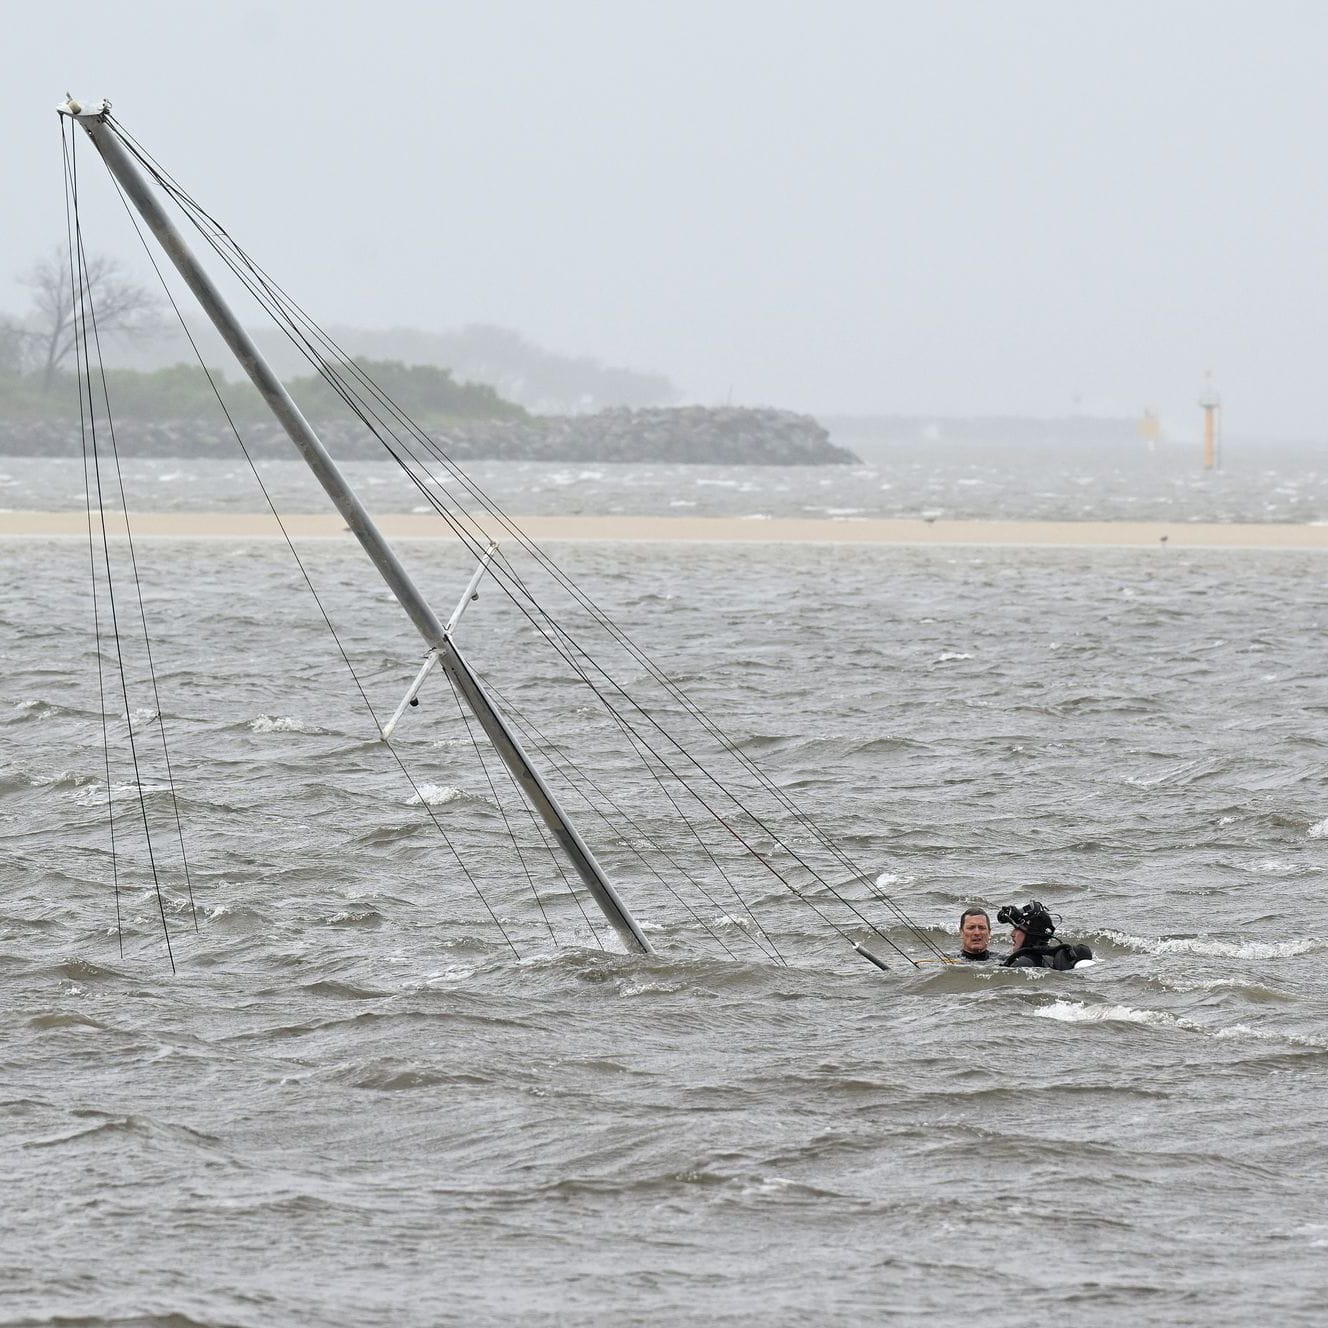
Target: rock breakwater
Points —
{"points": [[728, 435]]}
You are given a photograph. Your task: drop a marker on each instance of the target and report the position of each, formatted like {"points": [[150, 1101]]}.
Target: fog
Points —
{"points": [[855, 208]]}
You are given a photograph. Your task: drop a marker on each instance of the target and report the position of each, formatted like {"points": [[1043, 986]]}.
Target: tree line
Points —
{"points": [[508, 375], [38, 363]]}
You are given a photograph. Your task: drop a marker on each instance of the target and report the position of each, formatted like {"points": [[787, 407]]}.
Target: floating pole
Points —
{"points": [[122, 166], [871, 958]]}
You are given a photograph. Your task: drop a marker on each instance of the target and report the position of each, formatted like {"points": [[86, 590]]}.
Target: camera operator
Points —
{"points": [[1033, 942]]}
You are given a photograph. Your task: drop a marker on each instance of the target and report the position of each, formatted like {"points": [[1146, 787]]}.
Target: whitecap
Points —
{"points": [[649, 989], [1319, 830], [435, 795], [279, 724], [1076, 1012], [730, 920], [1214, 949], [1266, 1035], [94, 795]]}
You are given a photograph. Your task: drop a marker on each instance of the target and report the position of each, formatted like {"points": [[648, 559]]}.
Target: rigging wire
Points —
{"points": [[560, 761], [478, 748], [143, 621], [84, 412], [302, 332], [308, 580], [84, 315]]}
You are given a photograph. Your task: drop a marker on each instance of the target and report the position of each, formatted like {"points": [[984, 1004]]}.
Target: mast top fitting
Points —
{"points": [[77, 111]]}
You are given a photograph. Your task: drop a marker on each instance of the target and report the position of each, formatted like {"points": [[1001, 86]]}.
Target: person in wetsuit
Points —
{"points": [[974, 933], [1033, 942]]}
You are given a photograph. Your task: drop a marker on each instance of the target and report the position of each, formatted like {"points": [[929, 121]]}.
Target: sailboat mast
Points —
{"points": [[361, 524]]}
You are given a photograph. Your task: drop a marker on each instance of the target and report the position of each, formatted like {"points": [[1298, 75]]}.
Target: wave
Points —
{"points": [[143, 1127], [434, 795], [1215, 949], [355, 917], [282, 724], [1080, 1012], [94, 792], [1076, 1012], [63, 1019]]}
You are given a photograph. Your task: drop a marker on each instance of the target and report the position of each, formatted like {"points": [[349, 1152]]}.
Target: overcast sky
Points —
{"points": [[929, 207]]}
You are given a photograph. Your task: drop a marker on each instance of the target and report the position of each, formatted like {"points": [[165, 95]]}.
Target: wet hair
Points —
{"points": [[973, 913]]}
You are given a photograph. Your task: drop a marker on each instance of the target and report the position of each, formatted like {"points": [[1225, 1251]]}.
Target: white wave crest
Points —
{"points": [[1269, 1035], [1213, 949], [434, 795], [733, 920], [1076, 1012], [279, 724], [1319, 830], [94, 794], [950, 656]]}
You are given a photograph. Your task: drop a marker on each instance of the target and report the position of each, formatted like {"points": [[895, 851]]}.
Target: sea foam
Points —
{"points": [[1214, 949], [1076, 1012], [434, 795], [279, 724]]}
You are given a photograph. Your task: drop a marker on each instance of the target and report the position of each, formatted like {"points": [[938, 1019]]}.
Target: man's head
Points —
{"points": [[974, 931]]}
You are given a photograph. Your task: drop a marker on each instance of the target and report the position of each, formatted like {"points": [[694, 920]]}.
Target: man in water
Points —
{"points": [[1033, 942], [974, 933]]}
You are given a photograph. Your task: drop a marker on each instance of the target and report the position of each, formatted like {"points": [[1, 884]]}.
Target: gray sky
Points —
{"points": [[933, 207]]}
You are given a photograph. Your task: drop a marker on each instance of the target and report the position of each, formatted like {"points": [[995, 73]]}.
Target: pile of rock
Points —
{"points": [[727, 435]]}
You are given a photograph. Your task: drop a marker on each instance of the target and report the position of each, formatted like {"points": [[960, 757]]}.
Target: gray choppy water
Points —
{"points": [[1284, 484], [353, 1106]]}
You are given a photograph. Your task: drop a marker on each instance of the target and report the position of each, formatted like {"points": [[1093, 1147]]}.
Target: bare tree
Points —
{"points": [[116, 304]]}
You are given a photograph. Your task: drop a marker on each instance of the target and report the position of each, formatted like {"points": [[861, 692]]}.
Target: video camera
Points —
{"points": [[1033, 919]]}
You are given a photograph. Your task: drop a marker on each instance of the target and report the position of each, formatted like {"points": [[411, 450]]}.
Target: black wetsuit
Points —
{"points": [[976, 958], [1048, 953]]}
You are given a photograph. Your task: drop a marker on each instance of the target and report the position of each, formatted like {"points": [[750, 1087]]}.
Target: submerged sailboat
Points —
{"points": [[725, 815]]}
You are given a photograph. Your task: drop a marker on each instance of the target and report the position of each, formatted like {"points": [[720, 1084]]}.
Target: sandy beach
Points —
{"points": [[399, 525]]}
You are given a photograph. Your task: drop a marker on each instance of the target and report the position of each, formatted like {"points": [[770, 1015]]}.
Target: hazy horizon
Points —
{"points": [[950, 209]]}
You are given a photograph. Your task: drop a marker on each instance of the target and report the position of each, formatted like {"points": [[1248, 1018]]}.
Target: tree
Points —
{"points": [[115, 305], [13, 340]]}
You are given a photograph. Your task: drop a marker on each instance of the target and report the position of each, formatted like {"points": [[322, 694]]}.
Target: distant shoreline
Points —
{"points": [[700, 529]]}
